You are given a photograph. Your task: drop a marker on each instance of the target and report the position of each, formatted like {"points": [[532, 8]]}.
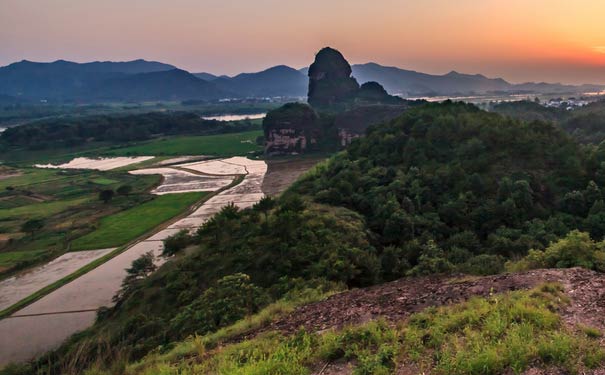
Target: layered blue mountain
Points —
{"points": [[141, 80], [279, 80], [409, 83], [132, 80], [175, 84]]}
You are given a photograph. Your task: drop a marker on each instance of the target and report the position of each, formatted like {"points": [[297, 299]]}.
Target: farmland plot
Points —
{"points": [[180, 181], [101, 164]]}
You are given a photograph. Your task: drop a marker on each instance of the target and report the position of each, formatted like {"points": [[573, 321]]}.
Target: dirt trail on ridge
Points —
{"points": [[397, 300]]}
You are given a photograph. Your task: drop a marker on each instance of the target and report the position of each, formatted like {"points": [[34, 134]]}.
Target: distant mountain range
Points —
{"points": [[280, 80], [409, 83], [142, 80]]}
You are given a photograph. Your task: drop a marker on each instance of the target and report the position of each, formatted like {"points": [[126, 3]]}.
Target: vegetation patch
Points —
{"points": [[577, 249], [217, 145], [47, 209], [118, 229], [9, 259], [104, 181], [494, 335]]}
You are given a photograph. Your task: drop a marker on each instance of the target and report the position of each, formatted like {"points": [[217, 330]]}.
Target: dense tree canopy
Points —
{"points": [[472, 181], [586, 124], [113, 129]]}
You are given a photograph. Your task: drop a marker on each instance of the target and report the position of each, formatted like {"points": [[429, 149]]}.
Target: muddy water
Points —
{"points": [[46, 323], [101, 164], [14, 289], [35, 335], [180, 181], [236, 117]]}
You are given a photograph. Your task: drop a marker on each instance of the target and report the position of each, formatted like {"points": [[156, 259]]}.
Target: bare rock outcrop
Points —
{"points": [[330, 81], [292, 128]]}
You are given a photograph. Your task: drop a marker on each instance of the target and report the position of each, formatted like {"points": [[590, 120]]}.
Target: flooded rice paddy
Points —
{"points": [[16, 288], [46, 323], [101, 164]]}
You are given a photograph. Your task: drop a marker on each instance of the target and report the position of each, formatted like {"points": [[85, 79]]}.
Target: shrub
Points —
{"points": [[574, 250], [177, 242], [124, 190], [484, 264]]}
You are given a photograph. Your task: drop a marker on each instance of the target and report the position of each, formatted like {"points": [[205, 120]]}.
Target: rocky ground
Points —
{"points": [[397, 300]]}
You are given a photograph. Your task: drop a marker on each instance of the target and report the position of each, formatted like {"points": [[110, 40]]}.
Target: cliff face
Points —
{"points": [[330, 80], [292, 128], [345, 108]]}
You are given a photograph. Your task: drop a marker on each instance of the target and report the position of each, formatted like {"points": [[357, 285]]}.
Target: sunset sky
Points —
{"points": [[519, 40]]}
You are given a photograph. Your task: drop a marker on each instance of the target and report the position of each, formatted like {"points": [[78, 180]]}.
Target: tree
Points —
{"points": [[106, 195], [176, 243], [265, 205], [124, 190], [32, 226], [139, 270]]}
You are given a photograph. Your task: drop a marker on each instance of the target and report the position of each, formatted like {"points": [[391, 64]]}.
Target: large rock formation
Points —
{"points": [[330, 81], [292, 128], [345, 109], [374, 93]]}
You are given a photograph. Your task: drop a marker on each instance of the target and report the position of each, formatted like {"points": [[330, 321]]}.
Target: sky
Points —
{"points": [[519, 40]]}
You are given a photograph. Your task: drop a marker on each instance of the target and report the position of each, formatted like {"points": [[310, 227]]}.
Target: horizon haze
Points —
{"points": [[551, 41]]}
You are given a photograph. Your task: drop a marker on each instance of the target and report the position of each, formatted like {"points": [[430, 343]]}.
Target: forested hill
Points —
{"points": [[443, 188], [473, 182], [586, 124]]}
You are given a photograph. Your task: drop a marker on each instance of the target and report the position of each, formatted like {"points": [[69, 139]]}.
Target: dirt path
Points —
{"points": [[397, 300]]}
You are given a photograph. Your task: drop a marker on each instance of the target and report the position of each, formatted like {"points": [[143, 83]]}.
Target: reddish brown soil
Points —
{"points": [[281, 173], [397, 300]]}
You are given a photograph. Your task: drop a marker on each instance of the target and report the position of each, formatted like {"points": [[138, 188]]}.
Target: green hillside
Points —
{"points": [[444, 188]]}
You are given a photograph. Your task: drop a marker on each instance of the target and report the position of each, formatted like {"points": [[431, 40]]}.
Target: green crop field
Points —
{"points": [[66, 201], [219, 145], [118, 229], [104, 181], [229, 144], [10, 258], [42, 209]]}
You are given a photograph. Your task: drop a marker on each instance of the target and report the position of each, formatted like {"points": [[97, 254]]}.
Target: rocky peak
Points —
{"points": [[330, 80]]}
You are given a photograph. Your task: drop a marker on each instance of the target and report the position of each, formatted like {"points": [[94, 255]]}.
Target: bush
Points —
{"points": [[124, 190], [106, 195], [575, 250], [176, 243], [232, 298], [484, 264]]}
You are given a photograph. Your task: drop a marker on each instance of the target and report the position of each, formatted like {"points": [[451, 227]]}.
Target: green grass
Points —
{"points": [[16, 201], [506, 333], [217, 145], [31, 176], [118, 229], [490, 336], [104, 181], [230, 144], [41, 209], [10, 258]]}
